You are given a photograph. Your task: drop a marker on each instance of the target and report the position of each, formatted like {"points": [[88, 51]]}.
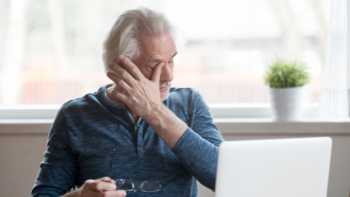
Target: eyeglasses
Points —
{"points": [[138, 186]]}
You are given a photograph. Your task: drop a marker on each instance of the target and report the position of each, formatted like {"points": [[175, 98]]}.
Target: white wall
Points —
{"points": [[22, 146]]}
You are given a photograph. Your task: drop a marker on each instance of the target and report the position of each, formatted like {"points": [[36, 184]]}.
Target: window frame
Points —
{"points": [[219, 111]]}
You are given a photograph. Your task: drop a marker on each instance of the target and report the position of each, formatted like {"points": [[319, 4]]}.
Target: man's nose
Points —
{"points": [[167, 73]]}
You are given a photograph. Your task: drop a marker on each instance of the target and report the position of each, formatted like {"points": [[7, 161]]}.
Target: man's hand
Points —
{"points": [[141, 95], [104, 187]]}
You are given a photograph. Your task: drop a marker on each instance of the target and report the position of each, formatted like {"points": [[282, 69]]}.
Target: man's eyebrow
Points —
{"points": [[156, 59]]}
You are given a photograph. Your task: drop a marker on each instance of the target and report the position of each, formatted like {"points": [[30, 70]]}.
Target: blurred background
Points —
{"points": [[51, 51]]}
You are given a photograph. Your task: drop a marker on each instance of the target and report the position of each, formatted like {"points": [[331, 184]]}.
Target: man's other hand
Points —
{"points": [[103, 187]]}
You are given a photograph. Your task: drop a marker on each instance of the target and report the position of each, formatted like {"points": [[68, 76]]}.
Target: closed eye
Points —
{"points": [[153, 64]]}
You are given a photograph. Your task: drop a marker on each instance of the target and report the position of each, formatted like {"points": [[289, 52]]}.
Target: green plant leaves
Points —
{"points": [[284, 74]]}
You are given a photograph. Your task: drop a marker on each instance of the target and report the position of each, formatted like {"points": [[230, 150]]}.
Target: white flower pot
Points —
{"points": [[287, 103]]}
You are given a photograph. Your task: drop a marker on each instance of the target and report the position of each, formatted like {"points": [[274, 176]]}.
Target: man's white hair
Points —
{"points": [[123, 38]]}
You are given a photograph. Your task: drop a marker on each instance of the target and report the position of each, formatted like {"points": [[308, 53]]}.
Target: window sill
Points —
{"points": [[227, 126], [270, 127]]}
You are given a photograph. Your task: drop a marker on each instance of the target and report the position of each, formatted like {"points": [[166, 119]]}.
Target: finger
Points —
{"points": [[119, 89], [107, 179], [103, 186], [119, 193], [131, 67], [123, 98], [125, 87], [115, 64], [112, 76], [122, 74], [156, 73], [91, 184]]}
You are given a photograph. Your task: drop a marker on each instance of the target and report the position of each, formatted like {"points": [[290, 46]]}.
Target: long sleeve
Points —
{"points": [[57, 171], [197, 149]]}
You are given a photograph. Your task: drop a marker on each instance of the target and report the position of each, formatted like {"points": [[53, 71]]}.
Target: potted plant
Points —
{"points": [[286, 80]]}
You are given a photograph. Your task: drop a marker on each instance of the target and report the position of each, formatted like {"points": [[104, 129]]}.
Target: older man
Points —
{"points": [[137, 134]]}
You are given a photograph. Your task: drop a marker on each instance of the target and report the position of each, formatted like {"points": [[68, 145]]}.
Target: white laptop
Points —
{"points": [[297, 167]]}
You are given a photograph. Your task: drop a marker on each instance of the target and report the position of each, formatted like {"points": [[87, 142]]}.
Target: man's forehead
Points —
{"points": [[158, 47], [160, 57]]}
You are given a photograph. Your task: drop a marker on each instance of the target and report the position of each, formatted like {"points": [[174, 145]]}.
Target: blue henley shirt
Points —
{"points": [[94, 137]]}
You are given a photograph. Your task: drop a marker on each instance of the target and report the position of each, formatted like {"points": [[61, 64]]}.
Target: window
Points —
{"points": [[51, 51]]}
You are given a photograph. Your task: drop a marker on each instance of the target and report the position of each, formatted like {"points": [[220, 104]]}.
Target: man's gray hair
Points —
{"points": [[123, 38]]}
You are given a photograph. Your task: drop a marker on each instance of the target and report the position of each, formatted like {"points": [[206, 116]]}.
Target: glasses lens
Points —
{"points": [[124, 184], [143, 186], [150, 186]]}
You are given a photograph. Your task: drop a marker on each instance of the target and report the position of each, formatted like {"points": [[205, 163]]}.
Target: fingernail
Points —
{"points": [[90, 181], [123, 193]]}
